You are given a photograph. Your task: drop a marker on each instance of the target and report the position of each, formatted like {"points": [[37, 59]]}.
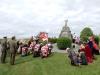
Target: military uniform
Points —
{"points": [[3, 50], [13, 49]]}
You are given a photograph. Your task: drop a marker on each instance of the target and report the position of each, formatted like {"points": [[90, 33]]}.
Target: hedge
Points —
{"points": [[64, 43]]}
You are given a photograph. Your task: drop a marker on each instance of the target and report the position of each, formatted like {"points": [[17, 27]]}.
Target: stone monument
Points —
{"points": [[65, 32]]}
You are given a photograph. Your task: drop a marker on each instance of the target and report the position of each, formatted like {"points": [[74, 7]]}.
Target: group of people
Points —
{"points": [[10, 46], [75, 39], [14, 47], [36, 48], [85, 54]]}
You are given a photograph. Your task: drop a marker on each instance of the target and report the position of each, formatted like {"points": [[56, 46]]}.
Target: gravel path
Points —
{"points": [[55, 49]]}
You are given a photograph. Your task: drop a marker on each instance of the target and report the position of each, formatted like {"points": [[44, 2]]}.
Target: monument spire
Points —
{"points": [[65, 32], [66, 21]]}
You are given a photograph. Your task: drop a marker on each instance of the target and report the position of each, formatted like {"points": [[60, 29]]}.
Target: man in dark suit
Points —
{"points": [[4, 49], [13, 49]]}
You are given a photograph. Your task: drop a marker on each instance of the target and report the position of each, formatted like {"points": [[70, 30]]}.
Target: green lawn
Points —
{"points": [[56, 64]]}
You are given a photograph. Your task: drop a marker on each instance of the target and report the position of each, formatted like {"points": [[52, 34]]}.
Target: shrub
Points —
{"points": [[53, 40], [64, 43], [85, 34], [43, 42], [96, 38]]}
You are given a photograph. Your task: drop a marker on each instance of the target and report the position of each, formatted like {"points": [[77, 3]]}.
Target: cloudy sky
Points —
{"points": [[24, 18]]}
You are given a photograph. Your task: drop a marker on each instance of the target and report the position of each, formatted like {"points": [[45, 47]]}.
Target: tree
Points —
{"points": [[86, 33], [64, 43], [96, 38]]}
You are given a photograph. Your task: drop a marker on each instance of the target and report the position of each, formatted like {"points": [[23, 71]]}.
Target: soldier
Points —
{"points": [[4, 49], [0, 50], [13, 49]]}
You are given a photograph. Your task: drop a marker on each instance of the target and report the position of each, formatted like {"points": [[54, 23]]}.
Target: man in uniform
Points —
{"points": [[13, 49], [4, 49]]}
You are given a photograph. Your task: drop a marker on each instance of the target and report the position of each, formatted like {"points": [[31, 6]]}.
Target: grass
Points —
{"points": [[56, 64]]}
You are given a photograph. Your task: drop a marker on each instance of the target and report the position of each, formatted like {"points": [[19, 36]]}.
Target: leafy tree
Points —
{"points": [[96, 38], [86, 33]]}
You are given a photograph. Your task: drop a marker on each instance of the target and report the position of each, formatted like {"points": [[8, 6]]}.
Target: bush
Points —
{"points": [[96, 38], [64, 43], [43, 42], [53, 40], [85, 34]]}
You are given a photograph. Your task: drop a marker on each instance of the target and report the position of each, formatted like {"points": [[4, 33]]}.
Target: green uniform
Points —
{"points": [[3, 50], [13, 48], [83, 57]]}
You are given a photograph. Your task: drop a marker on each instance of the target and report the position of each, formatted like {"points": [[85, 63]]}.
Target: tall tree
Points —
{"points": [[86, 33]]}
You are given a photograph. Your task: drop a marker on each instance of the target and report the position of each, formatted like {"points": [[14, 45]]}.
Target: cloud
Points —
{"points": [[29, 17]]}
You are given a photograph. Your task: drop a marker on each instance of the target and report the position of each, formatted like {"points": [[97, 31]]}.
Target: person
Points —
{"points": [[88, 53], [74, 37], [36, 51], [24, 50], [13, 49], [19, 50], [31, 40], [50, 46], [77, 40], [44, 51], [31, 47], [96, 48], [72, 56], [0, 49], [4, 49], [90, 44], [83, 56], [79, 60]]}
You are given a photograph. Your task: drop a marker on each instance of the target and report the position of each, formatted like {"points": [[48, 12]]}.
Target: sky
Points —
{"points": [[24, 18]]}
